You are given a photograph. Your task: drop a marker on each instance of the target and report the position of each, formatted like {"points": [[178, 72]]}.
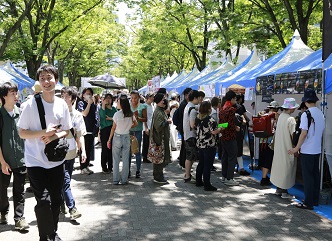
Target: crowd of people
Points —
{"points": [[206, 126]]}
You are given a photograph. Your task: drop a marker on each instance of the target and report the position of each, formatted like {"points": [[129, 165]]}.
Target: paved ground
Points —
{"points": [[179, 211]]}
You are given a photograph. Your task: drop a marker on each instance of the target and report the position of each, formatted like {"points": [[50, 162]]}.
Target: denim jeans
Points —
{"points": [[206, 159], [18, 192], [138, 155], [311, 178], [47, 186], [228, 159], [106, 154], [120, 147], [68, 196]]}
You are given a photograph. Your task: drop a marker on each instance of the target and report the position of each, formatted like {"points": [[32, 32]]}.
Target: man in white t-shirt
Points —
{"points": [[189, 116], [46, 178], [310, 147]]}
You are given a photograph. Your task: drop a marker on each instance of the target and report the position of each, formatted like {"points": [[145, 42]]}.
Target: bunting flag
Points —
{"points": [[327, 29]]}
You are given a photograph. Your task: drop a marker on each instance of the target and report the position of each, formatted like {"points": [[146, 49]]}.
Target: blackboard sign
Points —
{"points": [[267, 98], [265, 85], [309, 79]]}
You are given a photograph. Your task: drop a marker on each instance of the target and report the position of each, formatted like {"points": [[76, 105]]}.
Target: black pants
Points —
{"points": [[47, 186], [18, 192], [88, 141], [145, 147], [206, 158], [228, 160], [106, 154], [182, 156]]}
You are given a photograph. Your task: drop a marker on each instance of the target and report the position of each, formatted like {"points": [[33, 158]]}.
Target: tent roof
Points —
{"points": [[296, 50], [182, 74], [7, 77], [186, 79]]}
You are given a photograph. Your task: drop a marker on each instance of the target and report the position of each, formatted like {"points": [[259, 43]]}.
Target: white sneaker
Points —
{"points": [[231, 182], [287, 196], [85, 171], [90, 171]]}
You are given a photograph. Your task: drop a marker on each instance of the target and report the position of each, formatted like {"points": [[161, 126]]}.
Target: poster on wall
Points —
{"points": [[209, 90], [249, 93], [265, 85], [309, 79], [285, 83]]}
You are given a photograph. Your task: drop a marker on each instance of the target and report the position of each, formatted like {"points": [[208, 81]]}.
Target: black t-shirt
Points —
{"points": [[89, 120]]}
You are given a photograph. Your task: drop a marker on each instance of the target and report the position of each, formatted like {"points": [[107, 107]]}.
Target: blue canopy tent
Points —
{"points": [[21, 83], [10, 68], [226, 66], [183, 82], [182, 74], [295, 51], [248, 63]]}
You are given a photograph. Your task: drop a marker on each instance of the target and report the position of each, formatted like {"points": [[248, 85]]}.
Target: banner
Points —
{"points": [[209, 90], [154, 84], [327, 29]]}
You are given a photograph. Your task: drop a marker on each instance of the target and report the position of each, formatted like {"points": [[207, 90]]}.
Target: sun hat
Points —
{"points": [[274, 104], [310, 95], [290, 103]]}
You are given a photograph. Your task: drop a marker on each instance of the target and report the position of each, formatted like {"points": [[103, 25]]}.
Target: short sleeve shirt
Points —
{"points": [[203, 130], [55, 113], [123, 124], [139, 109], [187, 117]]}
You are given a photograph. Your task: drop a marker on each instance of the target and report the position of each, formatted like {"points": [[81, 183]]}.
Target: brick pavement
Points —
{"points": [[179, 211]]}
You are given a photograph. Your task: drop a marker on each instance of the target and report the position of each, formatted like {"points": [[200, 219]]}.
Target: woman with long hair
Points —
{"points": [[206, 130], [123, 120]]}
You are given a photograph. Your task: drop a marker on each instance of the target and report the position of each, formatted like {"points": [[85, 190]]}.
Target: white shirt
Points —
{"points": [[149, 110], [55, 113], [187, 130], [123, 124], [313, 141]]}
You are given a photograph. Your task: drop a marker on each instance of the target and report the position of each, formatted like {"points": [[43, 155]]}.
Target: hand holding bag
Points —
{"points": [[155, 152], [133, 144], [56, 150]]}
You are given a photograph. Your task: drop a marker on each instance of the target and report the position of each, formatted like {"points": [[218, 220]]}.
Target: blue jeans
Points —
{"points": [[311, 178], [120, 147], [68, 196], [138, 155], [206, 159]]}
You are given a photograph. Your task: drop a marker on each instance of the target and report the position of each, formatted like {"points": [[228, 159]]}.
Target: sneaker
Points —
{"points": [[210, 188], [3, 218], [244, 173], [90, 171], [286, 195], [85, 171], [223, 179], [106, 171], [63, 209], [231, 182], [265, 182], [74, 214], [138, 174], [162, 181], [21, 224]]}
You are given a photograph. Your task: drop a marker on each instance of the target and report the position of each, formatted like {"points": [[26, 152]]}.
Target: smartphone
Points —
{"points": [[58, 126]]}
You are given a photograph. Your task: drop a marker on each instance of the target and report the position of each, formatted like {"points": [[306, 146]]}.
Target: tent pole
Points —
{"points": [[323, 109]]}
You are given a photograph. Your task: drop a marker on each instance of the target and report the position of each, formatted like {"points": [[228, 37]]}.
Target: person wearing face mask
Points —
{"points": [[206, 134], [88, 110], [160, 131], [140, 114]]}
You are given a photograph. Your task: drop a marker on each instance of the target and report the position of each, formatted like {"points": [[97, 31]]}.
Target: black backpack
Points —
{"points": [[297, 132], [176, 118]]}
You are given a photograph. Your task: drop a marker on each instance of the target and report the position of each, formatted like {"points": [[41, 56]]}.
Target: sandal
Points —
{"points": [[302, 206]]}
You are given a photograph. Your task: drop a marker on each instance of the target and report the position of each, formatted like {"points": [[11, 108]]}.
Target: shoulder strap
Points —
{"points": [[190, 109], [309, 116], [41, 111]]}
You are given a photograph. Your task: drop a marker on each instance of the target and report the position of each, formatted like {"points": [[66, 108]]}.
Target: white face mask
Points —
{"points": [[87, 97]]}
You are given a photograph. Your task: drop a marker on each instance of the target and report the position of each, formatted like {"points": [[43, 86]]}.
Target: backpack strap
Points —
{"points": [[41, 111]]}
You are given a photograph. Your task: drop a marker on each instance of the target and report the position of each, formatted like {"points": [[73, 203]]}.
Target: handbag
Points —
{"points": [[155, 152], [56, 150], [133, 144]]}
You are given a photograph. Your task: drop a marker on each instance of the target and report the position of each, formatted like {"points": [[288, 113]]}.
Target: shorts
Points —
{"points": [[191, 149], [265, 156]]}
